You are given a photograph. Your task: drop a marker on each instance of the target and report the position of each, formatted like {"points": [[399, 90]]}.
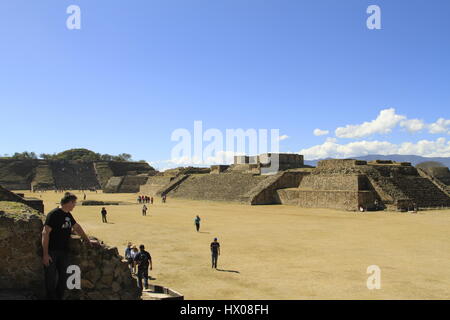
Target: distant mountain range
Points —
{"points": [[395, 157]]}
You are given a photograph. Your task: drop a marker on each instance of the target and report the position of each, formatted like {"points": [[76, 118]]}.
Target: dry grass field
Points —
{"points": [[279, 252]]}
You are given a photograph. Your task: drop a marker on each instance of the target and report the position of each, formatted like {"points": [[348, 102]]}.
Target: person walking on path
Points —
{"points": [[104, 213], [215, 252], [143, 260], [197, 223], [134, 252], [128, 256], [144, 210]]}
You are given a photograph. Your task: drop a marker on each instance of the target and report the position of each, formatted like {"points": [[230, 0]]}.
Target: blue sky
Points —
{"points": [[138, 70]]}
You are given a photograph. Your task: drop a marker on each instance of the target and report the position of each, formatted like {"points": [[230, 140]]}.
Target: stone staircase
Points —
{"points": [[423, 192], [217, 187], [74, 175], [441, 183], [397, 191]]}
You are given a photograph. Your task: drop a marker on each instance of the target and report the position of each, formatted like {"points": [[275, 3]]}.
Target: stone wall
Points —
{"points": [[265, 191], [104, 273], [216, 169], [343, 200], [339, 163], [330, 182], [21, 266], [36, 204], [288, 196]]}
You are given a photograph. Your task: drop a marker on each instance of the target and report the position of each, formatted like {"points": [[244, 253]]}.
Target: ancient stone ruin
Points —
{"points": [[348, 184], [244, 181], [343, 184], [73, 175]]}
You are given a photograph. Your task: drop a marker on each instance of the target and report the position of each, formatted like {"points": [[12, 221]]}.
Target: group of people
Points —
{"points": [[140, 259], [145, 199], [56, 233]]}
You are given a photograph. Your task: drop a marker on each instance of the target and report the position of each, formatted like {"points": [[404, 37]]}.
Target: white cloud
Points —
{"points": [[319, 132], [332, 149], [221, 157], [440, 126], [383, 124], [283, 137], [412, 125]]}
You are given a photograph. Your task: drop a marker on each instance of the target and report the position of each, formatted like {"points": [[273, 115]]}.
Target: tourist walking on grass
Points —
{"points": [[104, 213], [134, 252], [215, 252], [58, 227], [143, 260], [197, 223], [129, 257], [144, 210]]}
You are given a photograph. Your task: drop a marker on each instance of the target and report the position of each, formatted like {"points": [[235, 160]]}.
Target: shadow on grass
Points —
{"points": [[233, 271]]}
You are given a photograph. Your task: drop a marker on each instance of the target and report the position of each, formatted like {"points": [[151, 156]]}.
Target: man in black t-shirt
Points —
{"points": [[58, 227], [215, 252], [143, 259]]}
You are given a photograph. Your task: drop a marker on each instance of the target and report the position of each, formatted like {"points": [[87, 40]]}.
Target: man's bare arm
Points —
{"points": [[79, 231], [46, 259]]}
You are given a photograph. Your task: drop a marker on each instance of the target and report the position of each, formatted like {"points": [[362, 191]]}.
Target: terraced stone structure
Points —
{"points": [[68, 175], [241, 182], [348, 184]]}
